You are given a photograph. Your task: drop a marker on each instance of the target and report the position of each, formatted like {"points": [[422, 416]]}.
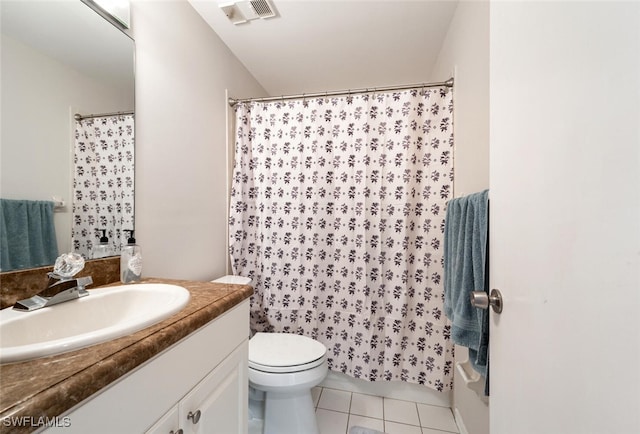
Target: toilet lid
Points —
{"points": [[284, 352]]}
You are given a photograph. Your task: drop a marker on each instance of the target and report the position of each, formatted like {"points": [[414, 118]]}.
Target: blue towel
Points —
{"points": [[465, 254], [27, 234]]}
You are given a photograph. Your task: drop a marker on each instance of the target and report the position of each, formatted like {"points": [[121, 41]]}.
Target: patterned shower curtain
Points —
{"points": [[103, 182], [337, 214]]}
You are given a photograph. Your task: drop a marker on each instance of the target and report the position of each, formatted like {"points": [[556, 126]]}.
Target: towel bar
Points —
{"points": [[472, 380], [58, 203]]}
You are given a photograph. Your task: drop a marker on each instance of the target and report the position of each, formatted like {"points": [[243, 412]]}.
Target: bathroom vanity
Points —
{"points": [[188, 372]]}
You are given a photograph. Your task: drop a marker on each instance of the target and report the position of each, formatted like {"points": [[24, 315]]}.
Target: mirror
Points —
{"points": [[59, 58]]}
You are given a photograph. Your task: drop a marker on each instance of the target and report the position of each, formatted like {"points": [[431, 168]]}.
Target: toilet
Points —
{"points": [[283, 368]]}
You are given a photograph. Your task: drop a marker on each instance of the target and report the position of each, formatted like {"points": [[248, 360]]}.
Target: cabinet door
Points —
{"points": [[218, 404], [169, 424]]}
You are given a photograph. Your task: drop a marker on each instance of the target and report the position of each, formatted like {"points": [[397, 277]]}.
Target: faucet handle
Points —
{"points": [[68, 265]]}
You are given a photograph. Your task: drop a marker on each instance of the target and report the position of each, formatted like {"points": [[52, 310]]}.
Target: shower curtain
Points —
{"points": [[103, 182], [337, 214]]}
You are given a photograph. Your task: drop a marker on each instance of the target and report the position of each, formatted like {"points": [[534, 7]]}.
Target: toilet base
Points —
{"points": [[291, 413], [255, 426]]}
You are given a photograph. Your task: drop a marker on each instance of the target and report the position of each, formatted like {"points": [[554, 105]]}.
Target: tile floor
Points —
{"points": [[337, 411]]}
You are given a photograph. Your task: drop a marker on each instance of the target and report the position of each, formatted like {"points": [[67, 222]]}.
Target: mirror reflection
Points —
{"points": [[60, 58]]}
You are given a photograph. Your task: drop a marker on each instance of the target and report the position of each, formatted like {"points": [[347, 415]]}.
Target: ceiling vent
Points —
{"points": [[243, 11]]}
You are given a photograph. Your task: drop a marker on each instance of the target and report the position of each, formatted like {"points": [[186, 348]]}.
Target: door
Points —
{"points": [[168, 424], [218, 404], [565, 217]]}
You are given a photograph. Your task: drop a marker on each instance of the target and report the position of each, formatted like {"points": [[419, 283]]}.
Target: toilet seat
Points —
{"points": [[284, 353], [286, 369]]}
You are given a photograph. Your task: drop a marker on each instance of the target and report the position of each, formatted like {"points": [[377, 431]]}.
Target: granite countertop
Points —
{"points": [[49, 386]]}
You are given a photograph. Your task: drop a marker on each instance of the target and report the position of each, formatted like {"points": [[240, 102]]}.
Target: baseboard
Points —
{"points": [[388, 389], [459, 421]]}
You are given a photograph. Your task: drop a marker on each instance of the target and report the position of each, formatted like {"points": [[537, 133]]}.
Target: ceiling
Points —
{"points": [[317, 46]]}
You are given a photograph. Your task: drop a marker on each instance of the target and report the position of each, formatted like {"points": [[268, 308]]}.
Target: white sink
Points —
{"points": [[105, 314]]}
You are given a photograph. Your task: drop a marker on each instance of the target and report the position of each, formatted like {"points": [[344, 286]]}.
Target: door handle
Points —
{"points": [[481, 300]]}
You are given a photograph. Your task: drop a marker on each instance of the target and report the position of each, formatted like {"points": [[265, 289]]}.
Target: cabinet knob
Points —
{"points": [[195, 417]]}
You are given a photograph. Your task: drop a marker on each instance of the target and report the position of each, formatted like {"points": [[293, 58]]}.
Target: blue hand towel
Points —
{"points": [[27, 234], [465, 243]]}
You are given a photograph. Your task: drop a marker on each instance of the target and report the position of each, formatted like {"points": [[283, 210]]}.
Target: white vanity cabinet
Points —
{"points": [[202, 378], [215, 405], [169, 423]]}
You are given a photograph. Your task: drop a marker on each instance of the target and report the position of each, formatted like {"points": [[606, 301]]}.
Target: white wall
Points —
{"points": [[465, 54], [182, 71], [38, 95]]}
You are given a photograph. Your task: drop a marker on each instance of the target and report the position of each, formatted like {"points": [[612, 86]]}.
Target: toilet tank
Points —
{"points": [[234, 280]]}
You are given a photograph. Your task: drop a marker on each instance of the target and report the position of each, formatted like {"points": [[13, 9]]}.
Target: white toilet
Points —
{"points": [[283, 368], [286, 366]]}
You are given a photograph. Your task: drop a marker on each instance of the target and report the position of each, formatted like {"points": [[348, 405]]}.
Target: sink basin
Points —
{"points": [[107, 313]]}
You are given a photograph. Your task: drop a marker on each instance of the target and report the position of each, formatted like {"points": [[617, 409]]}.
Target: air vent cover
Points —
{"points": [[243, 11], [263, 8]]}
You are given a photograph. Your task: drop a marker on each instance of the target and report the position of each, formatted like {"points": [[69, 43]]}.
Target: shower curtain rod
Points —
{"points": [[448, 83], [80, 117]]}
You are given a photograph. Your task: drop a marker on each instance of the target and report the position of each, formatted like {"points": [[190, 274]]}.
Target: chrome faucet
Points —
{"points": [[59, 290]]}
